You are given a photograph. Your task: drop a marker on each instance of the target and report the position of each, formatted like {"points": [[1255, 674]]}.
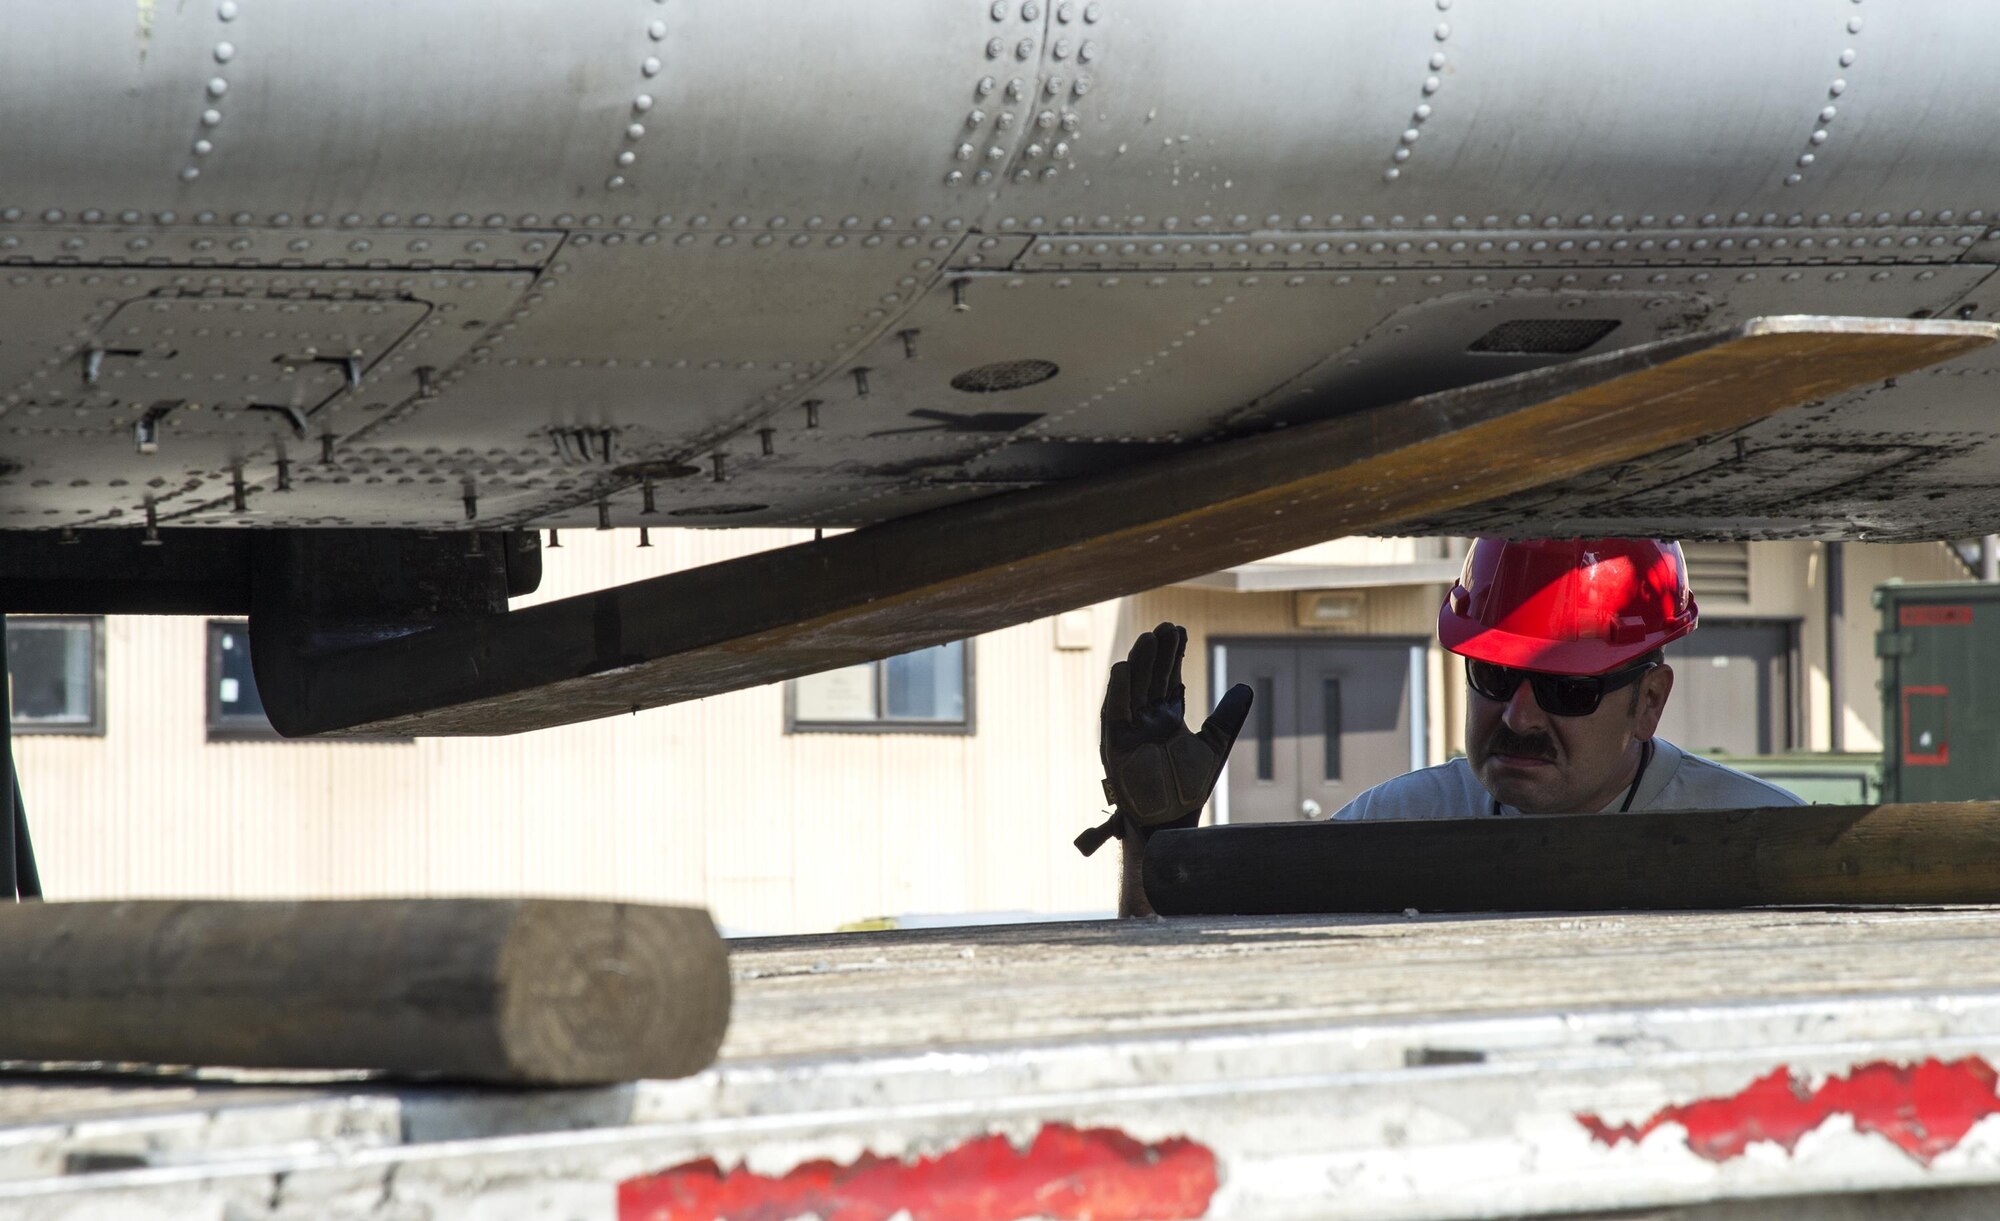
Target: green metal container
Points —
{"points": [[1819, 779], [1940, 651]]}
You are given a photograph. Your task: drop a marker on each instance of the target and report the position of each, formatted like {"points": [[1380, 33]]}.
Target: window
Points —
{"points": [[56, 665], [929, 691], [234, 709]]}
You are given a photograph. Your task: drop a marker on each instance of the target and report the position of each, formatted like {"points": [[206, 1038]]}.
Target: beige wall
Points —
{"points": [[709, 803], [1209, 614], [713, 803]]}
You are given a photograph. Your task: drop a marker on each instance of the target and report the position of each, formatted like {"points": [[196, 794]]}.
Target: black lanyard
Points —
{"points": [[1645, 758]]}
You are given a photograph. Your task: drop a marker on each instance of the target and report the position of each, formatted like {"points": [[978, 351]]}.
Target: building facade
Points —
{"points": [[948, 781]]}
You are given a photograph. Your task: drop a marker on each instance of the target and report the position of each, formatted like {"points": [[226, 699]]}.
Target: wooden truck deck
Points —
{"points": [[1776, 1062]]}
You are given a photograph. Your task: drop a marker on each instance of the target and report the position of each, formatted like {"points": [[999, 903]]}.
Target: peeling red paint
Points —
{"points": [[1923, 1109], [1067, 1174]]}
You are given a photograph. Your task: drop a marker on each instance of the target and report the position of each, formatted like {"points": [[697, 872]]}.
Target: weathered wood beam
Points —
{"points": [[956, 572], [1672, 860], [523, 991]]}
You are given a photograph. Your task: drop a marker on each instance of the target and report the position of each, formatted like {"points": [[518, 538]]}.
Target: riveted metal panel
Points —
{"points": [[1439, 246], [1281, 348], [990, 251], [1275, 337], [1113, 117], [713, 371], [450, 111], [1898, 80], [151, 343], [50, 314], [1135, 360], [318, 246], [727, 297], [237, 356], [1624, 78], [1907, 459], [837, 117], [772, 194], [1405, 111], [1292, 114], [1094, 329], [1428, 345]]}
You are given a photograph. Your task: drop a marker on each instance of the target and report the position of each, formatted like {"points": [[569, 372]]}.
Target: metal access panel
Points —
{"points": [[1940, 650]]}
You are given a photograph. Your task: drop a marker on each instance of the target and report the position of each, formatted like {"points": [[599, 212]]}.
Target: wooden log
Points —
{"points": [[525, 991], [1679, 859]]}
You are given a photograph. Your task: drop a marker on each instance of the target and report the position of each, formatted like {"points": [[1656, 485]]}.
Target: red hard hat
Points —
{"points": [[1567, 606]]}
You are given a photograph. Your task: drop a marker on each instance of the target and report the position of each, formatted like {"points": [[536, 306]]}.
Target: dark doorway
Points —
{"points": [[1732, 688], [1331, 719]]}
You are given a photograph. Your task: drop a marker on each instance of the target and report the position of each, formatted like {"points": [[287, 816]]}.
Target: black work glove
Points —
{"points": [[1155, 770]]}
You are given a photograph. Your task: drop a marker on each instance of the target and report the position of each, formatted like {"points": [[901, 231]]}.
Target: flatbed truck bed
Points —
{"points": [[1824, 1063]]}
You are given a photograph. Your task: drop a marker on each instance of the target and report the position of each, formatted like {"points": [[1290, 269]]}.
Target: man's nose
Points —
{"points": [[1522, 712]]}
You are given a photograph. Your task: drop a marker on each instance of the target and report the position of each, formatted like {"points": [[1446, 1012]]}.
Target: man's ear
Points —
{"points": [[1651, 701]]}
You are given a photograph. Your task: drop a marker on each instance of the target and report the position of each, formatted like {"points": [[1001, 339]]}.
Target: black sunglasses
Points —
{"points": [[1558, 694]]}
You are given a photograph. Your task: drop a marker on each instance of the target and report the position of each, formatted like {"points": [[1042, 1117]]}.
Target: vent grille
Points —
{"points": [[1543, 336], [1006, 375], [1719, 572]]}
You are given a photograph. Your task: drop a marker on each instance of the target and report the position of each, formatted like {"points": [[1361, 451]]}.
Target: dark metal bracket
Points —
{"points": [[207, 571]]}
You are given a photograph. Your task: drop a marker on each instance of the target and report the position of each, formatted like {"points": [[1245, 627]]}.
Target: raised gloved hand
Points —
{"points": [[1156, 771]]}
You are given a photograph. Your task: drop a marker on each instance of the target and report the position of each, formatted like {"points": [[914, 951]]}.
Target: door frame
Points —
{"points": [[1419, 678], [1793, 698]]}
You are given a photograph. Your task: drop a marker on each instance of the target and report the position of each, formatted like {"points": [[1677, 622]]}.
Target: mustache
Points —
{"points": [[1504, 741]]}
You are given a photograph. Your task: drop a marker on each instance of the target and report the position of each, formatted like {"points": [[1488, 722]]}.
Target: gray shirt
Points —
{"points": [[1674, 780]]}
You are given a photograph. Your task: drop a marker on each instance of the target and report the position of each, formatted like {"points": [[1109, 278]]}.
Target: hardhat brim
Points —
{"points": [[1468, 638]]}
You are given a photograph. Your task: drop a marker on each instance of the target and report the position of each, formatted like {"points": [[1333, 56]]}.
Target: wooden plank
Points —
{"points": [[913, 991], [504, 990], [1670, 860], [973, 568]]}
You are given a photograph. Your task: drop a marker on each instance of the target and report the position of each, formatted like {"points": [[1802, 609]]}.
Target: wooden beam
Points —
{"points": [[973, 568], [1672, 860], [523, 991]]}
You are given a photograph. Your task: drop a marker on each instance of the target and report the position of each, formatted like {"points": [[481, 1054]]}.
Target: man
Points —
{"points": [[1566, 682]]}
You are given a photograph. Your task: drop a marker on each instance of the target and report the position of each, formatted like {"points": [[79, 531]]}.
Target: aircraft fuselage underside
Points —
{"points": [[759, 263], [489, 268], [224, 399]]}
